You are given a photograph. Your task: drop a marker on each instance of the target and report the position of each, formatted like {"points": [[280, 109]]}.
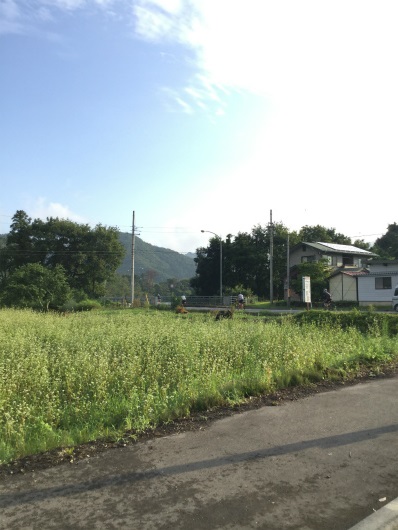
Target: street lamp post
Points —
{"points": [[219, 238]]}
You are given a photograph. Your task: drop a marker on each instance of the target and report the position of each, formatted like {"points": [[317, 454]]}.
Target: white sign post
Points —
{"points": [[307, 290]]}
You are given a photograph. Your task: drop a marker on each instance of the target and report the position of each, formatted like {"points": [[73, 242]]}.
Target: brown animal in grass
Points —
{"points": [[224, 314]]}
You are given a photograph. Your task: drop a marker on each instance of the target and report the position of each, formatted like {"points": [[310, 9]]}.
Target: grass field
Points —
{"points": [[65, 380]]}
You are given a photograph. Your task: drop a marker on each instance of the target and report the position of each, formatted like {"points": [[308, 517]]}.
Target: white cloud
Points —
{"points": [[303, 53], [72, 5], [169, 6], [42, 208]]}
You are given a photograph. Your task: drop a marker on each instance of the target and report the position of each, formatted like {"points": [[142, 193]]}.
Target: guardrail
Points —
{"points": [[192, 301]]}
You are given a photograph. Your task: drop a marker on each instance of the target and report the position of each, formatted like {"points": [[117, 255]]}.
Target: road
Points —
{"points": [[322, 462]]}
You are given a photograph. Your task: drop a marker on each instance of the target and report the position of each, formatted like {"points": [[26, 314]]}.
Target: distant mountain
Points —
{"points": [[165, 262]]}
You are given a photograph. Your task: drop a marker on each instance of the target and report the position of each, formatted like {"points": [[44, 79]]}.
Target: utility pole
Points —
{"points": [[132, 260], [271, 260]]}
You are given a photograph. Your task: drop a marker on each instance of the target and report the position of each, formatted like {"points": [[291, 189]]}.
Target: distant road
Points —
{"points": [[247, 310]]}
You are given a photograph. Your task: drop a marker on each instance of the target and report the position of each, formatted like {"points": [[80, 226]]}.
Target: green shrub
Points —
{"points": [[363, 321], [87, 305]]}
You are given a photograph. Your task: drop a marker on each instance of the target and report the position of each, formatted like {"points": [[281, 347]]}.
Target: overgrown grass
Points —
{"points": [[68, 379]]}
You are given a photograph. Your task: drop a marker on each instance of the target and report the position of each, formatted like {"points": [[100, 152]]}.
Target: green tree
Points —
{"points": [[207, 279], [318, 272], [35, 286], [88, 256], [19, 241], [361, 243], [246, 262], [321, 234], [119, 285], [386, 246]]}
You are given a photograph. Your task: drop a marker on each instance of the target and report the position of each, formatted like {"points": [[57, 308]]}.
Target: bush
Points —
{"points": [[162, 307], [87, 305], [360, 320]]}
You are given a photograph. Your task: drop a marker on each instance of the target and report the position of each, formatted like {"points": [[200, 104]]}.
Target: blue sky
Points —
{"points": [[200, 114]]}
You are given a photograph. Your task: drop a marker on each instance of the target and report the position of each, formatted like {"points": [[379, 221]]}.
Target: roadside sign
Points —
{"points": [[306, 289]]}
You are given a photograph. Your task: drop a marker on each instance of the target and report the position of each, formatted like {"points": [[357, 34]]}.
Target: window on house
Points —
{"points": [[384, 282], [305, 259], [348, 260]]}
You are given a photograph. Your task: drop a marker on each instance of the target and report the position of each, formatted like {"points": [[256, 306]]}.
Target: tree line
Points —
{"points": [[45, 263], [246, 259]]}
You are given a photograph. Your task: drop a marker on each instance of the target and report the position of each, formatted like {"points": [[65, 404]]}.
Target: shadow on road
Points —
{"points": [[15, 499]]}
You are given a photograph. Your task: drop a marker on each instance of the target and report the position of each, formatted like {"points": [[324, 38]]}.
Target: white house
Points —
{"points": [[336, 255], [346, 261], [377, 287], [371, 286]]}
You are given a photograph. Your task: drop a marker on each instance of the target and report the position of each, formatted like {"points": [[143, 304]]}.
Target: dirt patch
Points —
{"points": [[196, 421]]}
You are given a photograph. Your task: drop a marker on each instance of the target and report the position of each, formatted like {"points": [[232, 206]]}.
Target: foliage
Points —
{"points": [[37, 287], [87, 305], [88, 256], [120, 286], [246, 262], [361, 243], [207, 279], [363, 321], [318, 233], [68, 379], [387, 245], [317, 271]]}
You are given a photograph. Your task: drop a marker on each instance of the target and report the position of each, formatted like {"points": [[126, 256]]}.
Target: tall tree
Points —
{"points": [[88, 256], [246, 259], [361, 243], [19, 241], [246, 262], [387, 245], [318, 233], [207, 279]]}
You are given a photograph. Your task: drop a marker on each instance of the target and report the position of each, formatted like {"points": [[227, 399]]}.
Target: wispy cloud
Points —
{"points": [[333, 58], [10, 17], [20, 17], [72, 5], [296, 54], [42, 208]]}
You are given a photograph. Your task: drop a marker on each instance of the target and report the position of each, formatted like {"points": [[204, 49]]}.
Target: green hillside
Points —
{"points": [[165, 262]]}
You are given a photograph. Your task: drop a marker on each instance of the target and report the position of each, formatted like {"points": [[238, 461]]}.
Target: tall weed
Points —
{"points": [[69, 379]]}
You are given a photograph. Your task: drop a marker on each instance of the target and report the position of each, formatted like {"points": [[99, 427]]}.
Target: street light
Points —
{"points": [[219, 238]]}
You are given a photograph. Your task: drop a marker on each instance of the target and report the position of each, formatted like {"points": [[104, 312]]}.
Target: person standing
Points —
{"points": [[241, 300], [327, 298]]}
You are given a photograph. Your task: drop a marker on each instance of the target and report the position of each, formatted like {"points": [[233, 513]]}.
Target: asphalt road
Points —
{"points": [[326, 462]]}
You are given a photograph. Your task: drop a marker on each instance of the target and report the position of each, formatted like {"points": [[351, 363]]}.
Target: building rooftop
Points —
{"points": [[337, 248]]}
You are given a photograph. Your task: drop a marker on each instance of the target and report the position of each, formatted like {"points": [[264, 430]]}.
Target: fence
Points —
{"points": [[192, 301]]}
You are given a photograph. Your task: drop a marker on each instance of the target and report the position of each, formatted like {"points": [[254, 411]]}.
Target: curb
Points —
{"points": [[384, 519]]}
